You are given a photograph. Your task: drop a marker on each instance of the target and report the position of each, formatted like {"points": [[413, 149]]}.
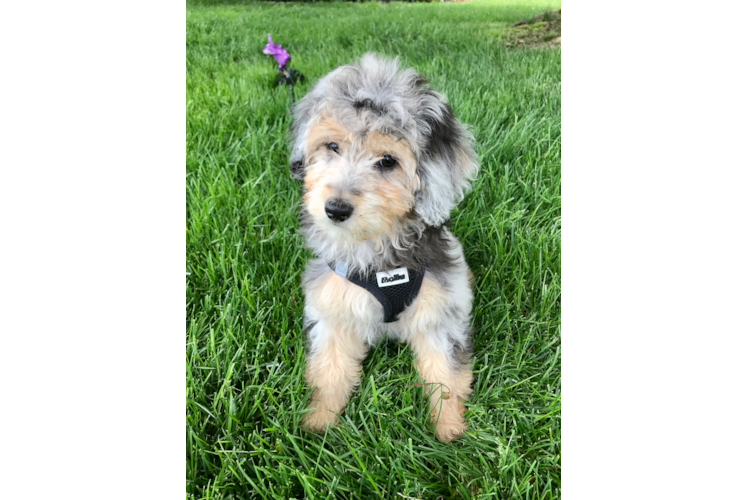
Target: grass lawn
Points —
{"points": [[245, 349]]}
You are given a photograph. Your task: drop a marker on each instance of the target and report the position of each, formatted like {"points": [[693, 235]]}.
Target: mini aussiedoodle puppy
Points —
{"points": [[383, 160]]}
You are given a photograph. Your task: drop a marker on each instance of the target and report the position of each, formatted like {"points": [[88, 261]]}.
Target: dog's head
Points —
{"points": [[376, 148]]}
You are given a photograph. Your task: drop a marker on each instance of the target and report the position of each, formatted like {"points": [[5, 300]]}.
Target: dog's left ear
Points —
{"points": [[448, 162]]}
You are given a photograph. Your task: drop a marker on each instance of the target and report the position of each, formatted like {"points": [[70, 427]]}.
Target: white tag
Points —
{"points": [[395, 277]]}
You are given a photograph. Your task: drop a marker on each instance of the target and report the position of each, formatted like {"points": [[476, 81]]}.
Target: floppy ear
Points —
{"points": [[302, 117], [447, 163]]}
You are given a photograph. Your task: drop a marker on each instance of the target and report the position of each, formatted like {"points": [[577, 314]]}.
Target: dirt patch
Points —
{"points": [[543, 30]]}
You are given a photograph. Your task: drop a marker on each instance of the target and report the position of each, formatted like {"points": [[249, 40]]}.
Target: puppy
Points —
{"points": [[383, 161]]}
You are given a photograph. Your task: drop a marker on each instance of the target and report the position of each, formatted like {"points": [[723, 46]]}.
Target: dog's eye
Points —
{"points": [[387, 162], [333, 146]]}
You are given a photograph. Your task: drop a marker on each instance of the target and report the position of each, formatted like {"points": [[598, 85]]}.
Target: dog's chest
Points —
{"points": [[337, 297]]}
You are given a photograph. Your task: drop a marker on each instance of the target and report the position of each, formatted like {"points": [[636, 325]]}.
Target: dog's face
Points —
{"points": [[377, 149], [359, 184]]}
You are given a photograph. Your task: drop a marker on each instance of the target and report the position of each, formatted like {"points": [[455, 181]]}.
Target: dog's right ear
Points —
{"points": [[302, 118]]}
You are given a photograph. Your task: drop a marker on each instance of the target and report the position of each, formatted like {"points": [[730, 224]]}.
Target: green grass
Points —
{"points": [[245, 354]]}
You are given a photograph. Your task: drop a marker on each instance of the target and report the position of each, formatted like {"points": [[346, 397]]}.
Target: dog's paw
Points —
{"points": [[449, 431], [450, 423], [317, 420]]}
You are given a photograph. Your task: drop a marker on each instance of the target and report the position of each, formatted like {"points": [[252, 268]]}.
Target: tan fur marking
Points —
{"points": [[324, 191], [324, 132], [381, 200], [394, 205], [435, 367], [381, 144], [333, 371], [338, 297], [431, 300], [310, 181]]}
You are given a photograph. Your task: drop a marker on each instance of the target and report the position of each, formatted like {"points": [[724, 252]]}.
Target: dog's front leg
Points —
{"points": [[333, 369], [437, 327], [447, 379]]}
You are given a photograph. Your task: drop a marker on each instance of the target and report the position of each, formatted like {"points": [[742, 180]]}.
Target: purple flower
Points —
{"points": [[276, 51]]}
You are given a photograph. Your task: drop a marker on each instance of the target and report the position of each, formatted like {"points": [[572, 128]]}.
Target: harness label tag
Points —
{"points": [[395, 277]]}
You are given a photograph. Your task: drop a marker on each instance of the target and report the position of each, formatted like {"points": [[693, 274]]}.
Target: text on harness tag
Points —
{"points": [[395, 277]]}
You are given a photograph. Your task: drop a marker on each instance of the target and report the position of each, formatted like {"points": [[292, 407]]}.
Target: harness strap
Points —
{"points": [[395, 289]]}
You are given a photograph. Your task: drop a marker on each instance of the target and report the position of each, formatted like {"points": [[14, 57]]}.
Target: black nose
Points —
{"points": [[337, 209]]}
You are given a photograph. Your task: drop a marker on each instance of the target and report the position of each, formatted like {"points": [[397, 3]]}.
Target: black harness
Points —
{"points": [[395, 289]]}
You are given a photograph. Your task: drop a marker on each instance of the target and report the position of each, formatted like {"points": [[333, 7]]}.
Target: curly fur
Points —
{"points": [[350, 120]]}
